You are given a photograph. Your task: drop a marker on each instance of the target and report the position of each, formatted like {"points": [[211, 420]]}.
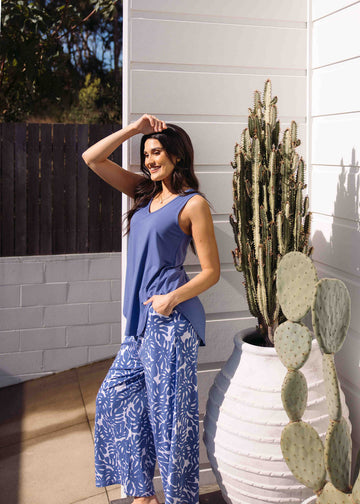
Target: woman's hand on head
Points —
{"points": [[147, 124]]}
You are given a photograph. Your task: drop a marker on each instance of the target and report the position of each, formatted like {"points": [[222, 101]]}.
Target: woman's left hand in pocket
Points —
{"points": [[161, 303]]}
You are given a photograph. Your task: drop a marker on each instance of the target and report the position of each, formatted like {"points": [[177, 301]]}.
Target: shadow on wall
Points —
{"points": [[340, 249]]}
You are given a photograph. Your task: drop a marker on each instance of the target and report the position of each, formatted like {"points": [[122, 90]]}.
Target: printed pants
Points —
{"points": [[147, 409]]}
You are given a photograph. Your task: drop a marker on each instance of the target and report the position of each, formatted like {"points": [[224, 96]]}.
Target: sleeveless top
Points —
{"points": [[156, 251]]}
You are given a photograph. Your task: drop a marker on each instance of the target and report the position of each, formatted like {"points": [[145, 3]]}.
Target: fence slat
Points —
{"points": [[46, 192], [70, 187], [95, 134], [82, 189], [33, 190], [58, 185], [8, 217], [106, 193], [20, 190], [1, 186]]}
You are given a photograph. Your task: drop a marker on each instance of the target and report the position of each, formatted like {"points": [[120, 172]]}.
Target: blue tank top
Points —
{"points": [[156, 252]]}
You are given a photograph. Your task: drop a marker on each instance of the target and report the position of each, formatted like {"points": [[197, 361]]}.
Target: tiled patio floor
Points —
{"points": [[46, 441]]}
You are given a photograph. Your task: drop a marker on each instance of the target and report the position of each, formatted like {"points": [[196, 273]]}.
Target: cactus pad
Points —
{"points": [[330, 495], [338, 454], [331, 314], [294, 394], [303, 452], [357, 468], [293, 344], [295, 281], [332, 387]]}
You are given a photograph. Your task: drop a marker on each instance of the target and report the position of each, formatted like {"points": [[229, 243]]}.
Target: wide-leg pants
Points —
{"points": [[147, 409]]}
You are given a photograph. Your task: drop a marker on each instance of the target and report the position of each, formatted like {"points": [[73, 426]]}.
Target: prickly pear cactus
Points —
{"points": [[330, 495], [293, 344], [270, 216], [294, 394], [302, 448], [332, 388], [331, 314], [295, 280], [304, 454], [338, 454]]}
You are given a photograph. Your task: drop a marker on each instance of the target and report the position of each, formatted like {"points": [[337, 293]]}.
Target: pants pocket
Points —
{"points": [[156, 314]]}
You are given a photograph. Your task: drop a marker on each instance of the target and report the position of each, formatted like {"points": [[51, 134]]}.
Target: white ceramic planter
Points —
{"points": [[244, 420], [310, 500]]}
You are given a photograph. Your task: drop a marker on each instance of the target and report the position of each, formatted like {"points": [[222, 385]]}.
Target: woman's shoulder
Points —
{"points": [[197, 202]]}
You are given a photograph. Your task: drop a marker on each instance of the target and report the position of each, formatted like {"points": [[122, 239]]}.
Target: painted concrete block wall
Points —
{"points": [[197, 64], [57, 312], [335, 179]]}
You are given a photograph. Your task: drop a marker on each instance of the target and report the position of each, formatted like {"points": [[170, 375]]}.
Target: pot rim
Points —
{"points": [[255, 349], [309, 500]]}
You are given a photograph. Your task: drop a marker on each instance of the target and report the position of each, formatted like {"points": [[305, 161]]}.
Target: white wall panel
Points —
{"points": [[337, 243], [289, 10], [335, 89], [322, 8], [341, 196], [212, 94], [336, 140], [220, 337], [214, 141], [326, 46], [217, 44]]}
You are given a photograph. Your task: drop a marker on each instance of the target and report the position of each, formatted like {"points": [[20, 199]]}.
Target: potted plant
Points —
{"points": [[244, 415]]}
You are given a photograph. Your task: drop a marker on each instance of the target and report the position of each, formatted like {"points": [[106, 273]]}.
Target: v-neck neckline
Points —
{"points": [[160, 208]]}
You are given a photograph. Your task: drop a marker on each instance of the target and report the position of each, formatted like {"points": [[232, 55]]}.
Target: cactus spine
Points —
{"points": [[303, 450], [270, 217]]}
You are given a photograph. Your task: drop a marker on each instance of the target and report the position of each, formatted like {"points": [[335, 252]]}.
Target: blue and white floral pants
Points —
{"points": [[147, 409]]}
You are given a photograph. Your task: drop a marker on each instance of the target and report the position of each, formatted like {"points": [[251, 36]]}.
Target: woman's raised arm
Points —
{"points": [[96, 156]]}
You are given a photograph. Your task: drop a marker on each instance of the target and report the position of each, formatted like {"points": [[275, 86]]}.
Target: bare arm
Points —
{"points": [[203, 235], [96, 156]]}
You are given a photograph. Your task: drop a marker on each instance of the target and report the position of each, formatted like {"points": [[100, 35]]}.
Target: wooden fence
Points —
{"points": [[51, 202]]}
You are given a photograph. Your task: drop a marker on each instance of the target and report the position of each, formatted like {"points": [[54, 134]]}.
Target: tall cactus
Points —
{"points": [[270, 216]]}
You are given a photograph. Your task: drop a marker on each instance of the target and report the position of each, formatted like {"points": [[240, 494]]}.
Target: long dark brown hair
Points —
{"points": [[176, 142]]}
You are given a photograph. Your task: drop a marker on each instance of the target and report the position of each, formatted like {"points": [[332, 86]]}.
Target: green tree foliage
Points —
{"points": [[57, 57]]}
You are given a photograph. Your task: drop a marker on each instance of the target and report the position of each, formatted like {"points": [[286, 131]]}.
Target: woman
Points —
{"points": [[147, 406]]}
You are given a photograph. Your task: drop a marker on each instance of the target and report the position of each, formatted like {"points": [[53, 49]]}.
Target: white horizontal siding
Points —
{"points": [[326, 44], [216, 44], [335, 89], [341, 197], [215, 142], [212, 93], [335, 183], [336, 140], [321, 8], [286, 10]]}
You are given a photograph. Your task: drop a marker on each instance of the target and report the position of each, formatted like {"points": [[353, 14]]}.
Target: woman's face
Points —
{"points": [[157, 160]]}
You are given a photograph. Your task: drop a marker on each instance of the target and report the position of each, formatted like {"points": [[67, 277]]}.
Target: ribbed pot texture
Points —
{"points": [[244, 420]]}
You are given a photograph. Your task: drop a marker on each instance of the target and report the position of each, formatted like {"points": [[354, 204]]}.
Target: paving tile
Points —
{"points": [[90, 378], [56, 468], [40, 406], [95, 499]]}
